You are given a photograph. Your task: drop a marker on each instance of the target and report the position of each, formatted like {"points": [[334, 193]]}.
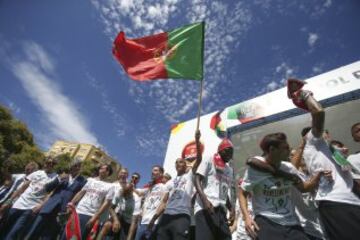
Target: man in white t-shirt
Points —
{"points": [[176, 205], [274, 211], [339, 207], [93, 199], [153, 194], [17, 180], [213, 179], [32, 196], [114, 225]]}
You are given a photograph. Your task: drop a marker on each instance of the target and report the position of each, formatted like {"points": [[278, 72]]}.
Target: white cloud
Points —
{"points": [[312, 39], [272, 86], [37, 75], [327, 3], [282, 72]]}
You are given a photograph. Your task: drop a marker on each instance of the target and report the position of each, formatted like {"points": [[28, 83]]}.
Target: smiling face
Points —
{"points": [[279, 153], [180, 166], [123, 175], [103, 171], [156, 173]]}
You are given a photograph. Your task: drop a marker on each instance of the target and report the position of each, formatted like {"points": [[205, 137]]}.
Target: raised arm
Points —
{"points": [[296, 159], [198, 185], [198, 151], [317, 114]]}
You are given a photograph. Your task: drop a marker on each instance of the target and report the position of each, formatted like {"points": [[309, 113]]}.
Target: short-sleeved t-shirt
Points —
{"points": [[216, 183], [354, 159], [271, 197], [318, 157], [124, 206], [96, 191], [137, 207], [181, 190], [35, 193], [153, 198]]}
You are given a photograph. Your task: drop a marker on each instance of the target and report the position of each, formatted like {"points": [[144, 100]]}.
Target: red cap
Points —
{"points": [[225, 143]]}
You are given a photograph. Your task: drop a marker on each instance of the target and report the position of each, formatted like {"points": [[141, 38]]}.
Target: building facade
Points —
{"points": [[84, 152]]}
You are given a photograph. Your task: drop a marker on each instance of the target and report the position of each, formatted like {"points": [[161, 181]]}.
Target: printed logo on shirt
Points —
{"points": [[278, 196]]}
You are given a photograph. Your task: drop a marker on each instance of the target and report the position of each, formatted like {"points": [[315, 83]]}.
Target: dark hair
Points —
{"points": [[136, 173], [354, 125], [160, 168], [336, 143], [272, 139], [305, 131]]}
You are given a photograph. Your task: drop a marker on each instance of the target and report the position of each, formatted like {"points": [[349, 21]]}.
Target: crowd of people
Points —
{"points": [[309, 192]]}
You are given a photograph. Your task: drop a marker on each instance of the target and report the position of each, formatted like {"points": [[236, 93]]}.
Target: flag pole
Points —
{"points": [[200, 104], [202, 79]]}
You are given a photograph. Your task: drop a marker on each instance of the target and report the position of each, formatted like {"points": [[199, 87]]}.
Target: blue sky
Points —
{"points": [[57, 73]]}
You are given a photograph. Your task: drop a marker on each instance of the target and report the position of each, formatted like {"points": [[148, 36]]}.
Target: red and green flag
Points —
{"points": [[217, 125], [174, 54]]}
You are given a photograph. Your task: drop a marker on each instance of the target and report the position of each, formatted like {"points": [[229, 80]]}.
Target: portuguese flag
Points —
{"points": [[174, 54]]}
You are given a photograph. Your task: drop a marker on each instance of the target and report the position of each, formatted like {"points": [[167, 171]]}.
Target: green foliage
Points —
{"points": [[89, 168], [17, 146], [62, 163]]}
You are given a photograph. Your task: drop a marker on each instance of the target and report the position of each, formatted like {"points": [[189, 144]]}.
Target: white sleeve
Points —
{"points": [[246, 183], [252, 178], [110, 193], [32, 176], [116, 198], [204, 168], [169, 185], [87, 185]]}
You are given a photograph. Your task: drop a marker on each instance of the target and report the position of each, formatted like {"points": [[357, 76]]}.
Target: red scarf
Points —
{"points": [[218, 162], [72, 228]]}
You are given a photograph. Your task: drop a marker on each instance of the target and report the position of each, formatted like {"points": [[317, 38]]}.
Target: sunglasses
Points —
{"points": [[134, 177]]}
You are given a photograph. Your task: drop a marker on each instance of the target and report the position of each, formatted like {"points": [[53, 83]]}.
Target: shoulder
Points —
{"points": [[35, 174], [354, 157], [81, 178], [311, 139]]}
